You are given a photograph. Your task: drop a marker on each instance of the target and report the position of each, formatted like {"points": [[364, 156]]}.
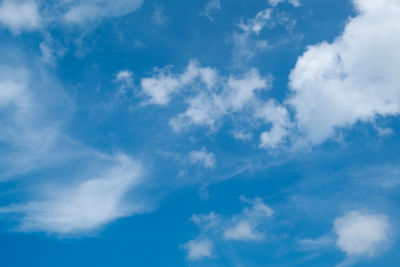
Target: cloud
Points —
{"points": [[32, 117], [83, 11], [247, 42], [20, 16], [246, 226], [212, 7], [361, 234], [125, 80], [295, 3], [212, 99], [278, 117], [86, 205], [234, 94], [202, 157], [63, 200], [30, 15], [353, 79], [198, 249], [164, 85]]}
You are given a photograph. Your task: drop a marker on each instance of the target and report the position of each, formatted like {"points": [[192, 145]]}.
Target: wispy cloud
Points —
{"points": [[211, 8], [246, 226], [33, 138], [86, 204]]}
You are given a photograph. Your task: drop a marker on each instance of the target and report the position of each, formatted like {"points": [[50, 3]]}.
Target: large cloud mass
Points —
{"points": [[355, 78]]}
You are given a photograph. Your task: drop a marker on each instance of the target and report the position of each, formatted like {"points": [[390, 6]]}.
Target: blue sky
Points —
{"points": [[199, 133]]}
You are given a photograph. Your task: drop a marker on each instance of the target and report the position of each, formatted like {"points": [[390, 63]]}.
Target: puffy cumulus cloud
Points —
{"points": [[295, 3], [212, 99], [361, 234], [246, 226], [278, 117], [354, 78], [233, 94], [84, 11], [164, 85], [202, 157], [86, 205], [212, 7], [20, 16]]}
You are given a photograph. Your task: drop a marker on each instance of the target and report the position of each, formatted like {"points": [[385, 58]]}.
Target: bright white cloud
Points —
{"points": [[278, 117], [233, 95], [212, 99], [361, 234], [164, 85], [87, 204], [203, 157], [212, 7], [354, 78], [20, 16]]}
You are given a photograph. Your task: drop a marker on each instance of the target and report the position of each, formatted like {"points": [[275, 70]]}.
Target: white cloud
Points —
{"points": [[212, 7], [212, 99], [24, 104], [202, 157], [164, 85], [259, 22], [198, 249], [242, 135], [295, 3], [246, 226], [234, 95], [87, 204], [354, 78], [20, 16], [84, 11], [279, 119], [125, 80], [361, 234], [33, 109], [247, 42]]}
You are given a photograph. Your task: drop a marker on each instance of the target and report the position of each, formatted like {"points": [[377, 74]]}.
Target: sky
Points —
{"points": [[207, 133]]}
